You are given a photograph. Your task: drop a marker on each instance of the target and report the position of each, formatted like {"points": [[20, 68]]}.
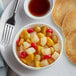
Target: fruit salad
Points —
{"points": [[39, 46]]}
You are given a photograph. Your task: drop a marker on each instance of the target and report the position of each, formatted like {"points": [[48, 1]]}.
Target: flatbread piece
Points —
{"points": [[69, 22], [61, 8], [70, 46]]}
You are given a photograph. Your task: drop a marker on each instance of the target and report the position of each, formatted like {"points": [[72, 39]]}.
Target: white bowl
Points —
{"points": [[26, 3], [30, 26]]}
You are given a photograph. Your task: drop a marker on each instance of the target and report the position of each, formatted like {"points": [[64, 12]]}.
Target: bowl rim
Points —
{"points": [[14, 46], [41, 17]]}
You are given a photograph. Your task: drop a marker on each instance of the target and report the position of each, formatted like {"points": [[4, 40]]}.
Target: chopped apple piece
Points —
{"points": [[55, 55], [43, 41], [34, 37], [44, 63], [26, 45], [46, 51], [30, 51]]}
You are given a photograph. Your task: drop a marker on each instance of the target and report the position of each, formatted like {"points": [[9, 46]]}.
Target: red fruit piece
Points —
{"points": [[17, 42], [23, 54], [49, 30], [30, 30], [34, 45], [47, 56]]}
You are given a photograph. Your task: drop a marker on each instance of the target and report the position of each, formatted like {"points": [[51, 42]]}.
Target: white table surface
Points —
{"points": [[5, 3]]}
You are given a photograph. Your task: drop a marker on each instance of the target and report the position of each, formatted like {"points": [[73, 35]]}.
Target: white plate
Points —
{"points": [[62, 68]]}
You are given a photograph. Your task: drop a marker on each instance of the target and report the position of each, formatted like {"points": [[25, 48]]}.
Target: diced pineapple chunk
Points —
{"points": [[32, 56], [52, 50], [46, 51], [34, 37], [21, 48], [37, 63], [48, 34], [57, 47], [40, 35], [18, 48], [26, 45], [50, 61], [50, 41], [39, 48], [27, 36], [43, 41], [28, 40], [30, 50], [21, 42], [23, 33], [44, 63], [55, 39], [55, 55], [37, 57], [43, 29], [37, 29], [23, 60], [28, 59]]}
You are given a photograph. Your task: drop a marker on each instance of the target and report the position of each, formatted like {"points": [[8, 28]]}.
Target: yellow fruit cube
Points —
{"points": [[23, 33], [32, 56], [28, 40], [21, 48], [26, 45], [43, 41], [55, 55], [50, 61], [30, 50], [46, 51], [40, 35], [43, 30], [48, 34], [55, 39], [27, 36], [34, 37], [21, 42], [29, 59], [37, 63], [37, 29], [50, 42], [37, 57], [44, 63], [52, 50], [18, 48], [23, 60], [57, 47], [39, 48]]}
